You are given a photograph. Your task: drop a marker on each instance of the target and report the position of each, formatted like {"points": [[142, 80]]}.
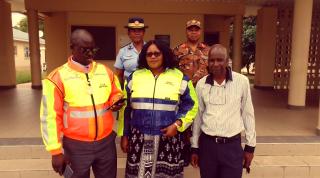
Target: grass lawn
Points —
{"points": [[23, 75]]}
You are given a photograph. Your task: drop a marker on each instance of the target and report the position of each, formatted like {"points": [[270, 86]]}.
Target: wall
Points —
{"points": [[58, 25], [21, 62], [221, 24], [56, 39]]}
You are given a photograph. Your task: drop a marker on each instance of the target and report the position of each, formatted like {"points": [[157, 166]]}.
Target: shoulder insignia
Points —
{"points": [[125, 45]]}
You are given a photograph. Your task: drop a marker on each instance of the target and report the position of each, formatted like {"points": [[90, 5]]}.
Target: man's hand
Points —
{"points": [[124, 144], [58, 163], [117, 106], [247, 159], [194, 160]]}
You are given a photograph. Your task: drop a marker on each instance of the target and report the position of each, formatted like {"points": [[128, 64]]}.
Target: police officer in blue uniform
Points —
{"points": [[127, 58]]}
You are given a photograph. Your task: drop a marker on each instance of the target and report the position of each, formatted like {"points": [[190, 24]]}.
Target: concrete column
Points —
{"points": [[35, 61], [57, 40], [318, 126], [237, 43], [301, 29], [265, 48], [7, 65]]}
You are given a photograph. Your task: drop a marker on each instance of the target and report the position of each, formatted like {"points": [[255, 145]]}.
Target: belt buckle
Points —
{"points": [[220, 140]]}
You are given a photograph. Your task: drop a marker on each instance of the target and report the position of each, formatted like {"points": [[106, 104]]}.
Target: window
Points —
{"points": [[26, 52], [105, 39], [164, 38], [15, 50], [211, 38]]}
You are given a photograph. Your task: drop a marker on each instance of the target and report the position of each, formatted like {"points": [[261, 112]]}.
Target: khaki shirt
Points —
{"points": [[192, 63]]}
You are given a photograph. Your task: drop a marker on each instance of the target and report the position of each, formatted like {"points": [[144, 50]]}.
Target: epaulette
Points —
{"points": [[125, 45]]}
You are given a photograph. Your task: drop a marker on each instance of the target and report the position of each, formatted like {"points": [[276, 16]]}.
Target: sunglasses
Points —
{"points": [[88, 51], [155, 54]]}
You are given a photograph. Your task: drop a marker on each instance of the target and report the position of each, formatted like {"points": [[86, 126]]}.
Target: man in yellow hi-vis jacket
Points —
{"points": [[76, 103]]}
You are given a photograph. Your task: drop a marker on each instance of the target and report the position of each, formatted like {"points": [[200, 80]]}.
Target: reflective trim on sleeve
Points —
{"points": [[65, 117], [44, 126]]}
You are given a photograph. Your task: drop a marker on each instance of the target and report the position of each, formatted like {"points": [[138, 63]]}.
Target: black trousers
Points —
{"points": [[220, 160], [101, 155]]}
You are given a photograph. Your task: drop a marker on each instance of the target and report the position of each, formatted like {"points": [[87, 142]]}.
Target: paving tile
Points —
{"points": [[296, 172]]}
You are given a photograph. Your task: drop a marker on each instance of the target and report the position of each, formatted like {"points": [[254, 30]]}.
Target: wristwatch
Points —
{"points": [[177, 125]]}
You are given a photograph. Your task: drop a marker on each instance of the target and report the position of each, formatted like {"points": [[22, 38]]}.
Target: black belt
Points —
{"points": [[222, 140]]}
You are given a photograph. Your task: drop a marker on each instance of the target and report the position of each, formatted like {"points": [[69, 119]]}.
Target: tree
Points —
{"points": [[23, 25], [249, 41]]}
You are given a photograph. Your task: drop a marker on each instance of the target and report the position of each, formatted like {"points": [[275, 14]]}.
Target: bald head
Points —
{"points": [[81, 36], [82, 46], [218, 61], [218, 51]]}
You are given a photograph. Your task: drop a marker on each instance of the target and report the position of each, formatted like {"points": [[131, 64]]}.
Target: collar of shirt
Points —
{"points": [[131, 46], [210, 78], [83, 67]]}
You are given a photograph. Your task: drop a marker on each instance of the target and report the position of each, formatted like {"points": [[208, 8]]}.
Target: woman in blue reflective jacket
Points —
{"points": [[161, 103]]}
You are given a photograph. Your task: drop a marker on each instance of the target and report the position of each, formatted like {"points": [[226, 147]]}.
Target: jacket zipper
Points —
{"points": [[94, 106], [154, 90]]}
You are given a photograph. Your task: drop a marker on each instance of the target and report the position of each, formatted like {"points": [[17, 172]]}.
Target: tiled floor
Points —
{"points": [[19, 114]]}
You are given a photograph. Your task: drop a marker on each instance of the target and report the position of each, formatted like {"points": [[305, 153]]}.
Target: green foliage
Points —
{"points": [[248, 41], [23, 76], [23, 25]]}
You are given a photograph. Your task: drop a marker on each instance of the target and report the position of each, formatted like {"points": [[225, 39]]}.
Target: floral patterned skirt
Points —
{"points": [[154, 156]]}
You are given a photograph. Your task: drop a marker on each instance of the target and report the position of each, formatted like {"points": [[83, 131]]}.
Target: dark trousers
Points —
{"points": [[220, 160], [101, 155]]}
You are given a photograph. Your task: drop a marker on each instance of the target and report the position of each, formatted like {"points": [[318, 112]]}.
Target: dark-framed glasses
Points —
{"points": [[155, 54], [88, 51]]}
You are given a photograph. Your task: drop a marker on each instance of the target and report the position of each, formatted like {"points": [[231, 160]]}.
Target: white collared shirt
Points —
{"points": [[85, 68], [225, 110]]}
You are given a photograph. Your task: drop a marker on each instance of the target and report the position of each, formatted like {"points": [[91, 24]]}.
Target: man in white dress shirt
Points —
{"points": [[225, 110]]}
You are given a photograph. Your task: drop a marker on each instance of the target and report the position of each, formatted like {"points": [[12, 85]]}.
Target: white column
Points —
{"points": [[35, 61], [237, 43], [301, 29], [7, 65]]}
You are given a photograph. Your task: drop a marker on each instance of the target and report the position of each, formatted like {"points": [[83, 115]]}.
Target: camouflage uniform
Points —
{"points": [[192, 63]]}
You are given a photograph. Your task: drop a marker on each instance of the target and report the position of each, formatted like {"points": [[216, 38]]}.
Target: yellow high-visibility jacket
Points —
{"points": [[156, 102], [75, 103]]}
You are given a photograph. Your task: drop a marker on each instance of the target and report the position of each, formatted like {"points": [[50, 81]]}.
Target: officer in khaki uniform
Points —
{"points": [[192, 57]]}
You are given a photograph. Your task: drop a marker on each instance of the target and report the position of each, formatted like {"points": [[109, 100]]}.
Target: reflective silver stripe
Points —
{"points": [[183, 87], [151, 106], [86, 114], [45, 134], [65, 118]]}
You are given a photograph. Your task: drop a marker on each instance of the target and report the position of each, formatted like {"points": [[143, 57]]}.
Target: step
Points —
{"points": [[262, 167], [32, 148]]}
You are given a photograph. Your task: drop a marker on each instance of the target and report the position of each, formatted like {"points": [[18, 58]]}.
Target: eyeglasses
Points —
{"points": [[156, 54], [87, 51]]}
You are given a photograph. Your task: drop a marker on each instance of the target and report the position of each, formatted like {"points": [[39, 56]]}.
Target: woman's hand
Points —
{"points": [[171, 130], [124, 144]]}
